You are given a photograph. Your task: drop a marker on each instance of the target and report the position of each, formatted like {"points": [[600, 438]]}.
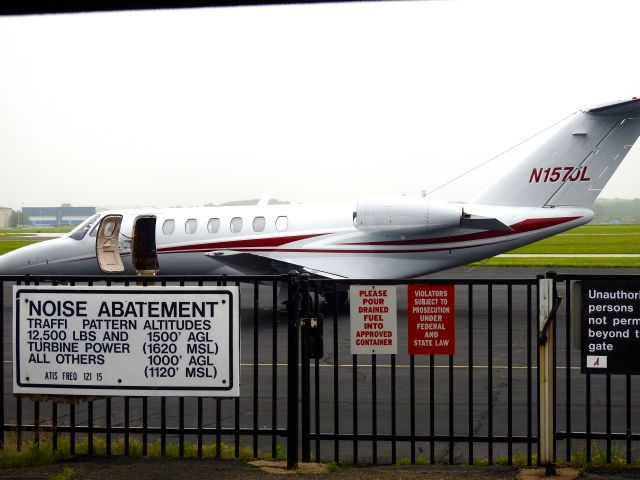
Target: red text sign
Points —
{"points": [[373, 319], [431, 313]]}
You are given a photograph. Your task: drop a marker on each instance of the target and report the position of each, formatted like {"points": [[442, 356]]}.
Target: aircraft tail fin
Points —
{"points": [[574, 165]]}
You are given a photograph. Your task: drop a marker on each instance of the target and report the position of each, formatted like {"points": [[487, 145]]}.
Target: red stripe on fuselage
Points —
{"points": [[264, 242], [273, 244], [520, 227], [366, 251]]}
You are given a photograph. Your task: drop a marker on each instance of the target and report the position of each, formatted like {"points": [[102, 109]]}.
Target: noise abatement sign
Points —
{"points": [[142, 341]]}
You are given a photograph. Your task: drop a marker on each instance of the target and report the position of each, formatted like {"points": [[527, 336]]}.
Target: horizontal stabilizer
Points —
{"points": [[483, 223]]}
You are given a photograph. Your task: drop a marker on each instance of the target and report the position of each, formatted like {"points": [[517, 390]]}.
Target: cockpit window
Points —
{"points": [[81, 230]]}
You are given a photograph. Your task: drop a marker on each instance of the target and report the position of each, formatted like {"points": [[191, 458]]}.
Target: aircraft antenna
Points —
{"points": [[424, 193]]}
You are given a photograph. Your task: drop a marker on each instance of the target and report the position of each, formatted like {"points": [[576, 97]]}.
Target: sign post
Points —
{"points": [[146, 341], [546, 340]]}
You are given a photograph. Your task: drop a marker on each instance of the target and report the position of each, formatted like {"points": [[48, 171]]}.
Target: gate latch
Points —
{"points": [[542, 336], [312, 341]]}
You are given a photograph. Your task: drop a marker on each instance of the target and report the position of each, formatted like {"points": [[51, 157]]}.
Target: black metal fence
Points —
{"points": [[479, 405], [455, 408], [240, 426], [598, 416]]}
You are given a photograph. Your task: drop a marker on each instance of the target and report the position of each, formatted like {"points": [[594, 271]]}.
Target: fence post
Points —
{"points": [[305, 378], [2, 370], [546, 340], [292, 369]]}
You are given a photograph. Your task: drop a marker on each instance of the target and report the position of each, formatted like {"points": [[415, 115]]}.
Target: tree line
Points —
{"points": [[617, 210]]}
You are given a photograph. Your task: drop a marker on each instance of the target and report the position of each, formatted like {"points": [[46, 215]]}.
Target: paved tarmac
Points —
{"points": [[116, 468], [143, 469]]}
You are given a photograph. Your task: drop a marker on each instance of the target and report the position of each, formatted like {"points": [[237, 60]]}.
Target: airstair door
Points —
{"points": [[107, 244], [145, 258]]}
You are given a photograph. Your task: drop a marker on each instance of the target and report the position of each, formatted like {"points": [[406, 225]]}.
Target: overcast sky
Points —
{"points": [[312, 103]]}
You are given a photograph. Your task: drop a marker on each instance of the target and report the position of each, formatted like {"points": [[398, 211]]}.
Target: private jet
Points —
{"points": [[549, 191]]}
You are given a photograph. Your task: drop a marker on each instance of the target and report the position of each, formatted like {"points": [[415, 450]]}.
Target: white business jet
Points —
{"points": [[550, 191]]}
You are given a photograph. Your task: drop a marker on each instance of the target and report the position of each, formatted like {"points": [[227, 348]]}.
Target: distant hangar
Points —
{"points": [[56, 216]]}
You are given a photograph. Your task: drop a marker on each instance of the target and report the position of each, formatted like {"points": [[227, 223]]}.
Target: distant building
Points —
{"points": [[5, 217], [55, 216]]}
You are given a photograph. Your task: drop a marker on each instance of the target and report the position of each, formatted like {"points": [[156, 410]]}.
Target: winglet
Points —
{"points": [[615, 108], [483, 223]]}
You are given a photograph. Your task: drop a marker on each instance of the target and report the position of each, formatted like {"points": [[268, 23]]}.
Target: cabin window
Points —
{"points": [[259, 224], [168, 227], [191, 226], [282, 223], [214, 225], [109, 228], [236, 224]]}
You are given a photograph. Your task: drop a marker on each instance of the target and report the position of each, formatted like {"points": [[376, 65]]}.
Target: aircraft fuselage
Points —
{"points": [[321, 239]]}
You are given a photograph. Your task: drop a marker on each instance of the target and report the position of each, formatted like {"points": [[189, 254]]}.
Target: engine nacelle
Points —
{"points": [[386, 213]]}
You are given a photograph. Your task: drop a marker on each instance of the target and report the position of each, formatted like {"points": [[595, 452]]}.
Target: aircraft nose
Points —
{"points": [[12, 262], [58, 256], [29, 259]]}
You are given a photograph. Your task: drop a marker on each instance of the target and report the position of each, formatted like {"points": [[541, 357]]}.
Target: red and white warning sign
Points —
{"points": [[374, 319], [431, 314]]}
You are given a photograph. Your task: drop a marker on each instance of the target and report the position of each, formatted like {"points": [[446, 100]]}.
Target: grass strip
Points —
{"points": [[605, 229], [600, 262], [41, 453], [7, 246], [23, 230], [585, 244]]}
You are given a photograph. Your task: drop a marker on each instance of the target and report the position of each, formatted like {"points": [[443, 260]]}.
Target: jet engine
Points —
{"points": [[388, 213]]}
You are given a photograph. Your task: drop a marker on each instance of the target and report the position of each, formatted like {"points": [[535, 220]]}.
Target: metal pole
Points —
{"points": [[2, 370], [305, 376], [292, 371], [545, 388]]}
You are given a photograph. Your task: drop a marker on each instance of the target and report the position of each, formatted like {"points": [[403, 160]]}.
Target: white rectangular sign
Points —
{"points": [[143, 341], [374, 319]]}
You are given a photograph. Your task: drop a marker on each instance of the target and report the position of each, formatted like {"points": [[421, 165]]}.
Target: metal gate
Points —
{"points": [[414, 408]]}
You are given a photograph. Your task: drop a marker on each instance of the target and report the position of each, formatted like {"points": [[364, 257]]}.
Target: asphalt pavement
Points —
{"points": [[108, 468]]}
